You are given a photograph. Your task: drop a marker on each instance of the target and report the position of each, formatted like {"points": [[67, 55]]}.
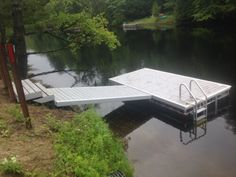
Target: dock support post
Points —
{"points": [[216, 105], [5, 74], [19, 86]]}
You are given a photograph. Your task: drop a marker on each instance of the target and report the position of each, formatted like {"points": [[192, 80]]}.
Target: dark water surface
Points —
{"points": [[154, 137]]}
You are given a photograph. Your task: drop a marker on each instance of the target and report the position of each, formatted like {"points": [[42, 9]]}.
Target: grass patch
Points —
{"points": [[153, 23], [86, 147], [53, 124], [15, 112], [4, 132], [10, 166]]}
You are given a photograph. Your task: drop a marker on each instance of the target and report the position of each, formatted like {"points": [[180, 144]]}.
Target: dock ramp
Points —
{"points": [[92, 95], [31, 91], [34, 91]]}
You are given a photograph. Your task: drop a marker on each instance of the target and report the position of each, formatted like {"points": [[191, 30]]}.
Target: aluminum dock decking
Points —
{"points": [[165, 88], [180, 93], [92, 95]]}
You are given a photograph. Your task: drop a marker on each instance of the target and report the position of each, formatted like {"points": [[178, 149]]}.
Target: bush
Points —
{"points": [[11, 166], [86, 147]]}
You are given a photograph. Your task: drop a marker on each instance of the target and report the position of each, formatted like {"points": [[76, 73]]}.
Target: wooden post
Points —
{"points": [[19, 87], [5, 73], [2, 69]]}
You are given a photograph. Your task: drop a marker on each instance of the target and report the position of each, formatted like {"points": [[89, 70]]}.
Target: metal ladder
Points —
{"points": [[199, 113], [194, 133], [200, 107]]}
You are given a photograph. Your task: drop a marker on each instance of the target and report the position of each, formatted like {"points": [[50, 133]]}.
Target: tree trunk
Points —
{"points": [[20, 67], [3, 63], [19, 37], [2, 69]]}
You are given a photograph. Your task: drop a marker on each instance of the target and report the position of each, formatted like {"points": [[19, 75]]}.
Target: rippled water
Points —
{"points": [[155, 146]]}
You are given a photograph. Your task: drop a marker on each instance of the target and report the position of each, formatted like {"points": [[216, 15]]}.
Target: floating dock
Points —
{"points": [[177, 92]]}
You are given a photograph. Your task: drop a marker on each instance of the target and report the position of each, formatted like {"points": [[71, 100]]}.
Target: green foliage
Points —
{"points": [[115, 12], [169, 6], [119, 11], [80, 20], [4, 132], [155, 9], [2, 125], [11, 166], [86, 147], [4, 13], [205, 10], [184, 10], [155, 23], [84, 30], [53, 124], [202, 10], [16, 113]]}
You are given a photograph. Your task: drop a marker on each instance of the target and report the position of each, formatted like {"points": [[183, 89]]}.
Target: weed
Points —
{"points": [[86, 147], [36, 174], [3, 125], [4, 132], [16, 113], [53, 124], [11, 166]]}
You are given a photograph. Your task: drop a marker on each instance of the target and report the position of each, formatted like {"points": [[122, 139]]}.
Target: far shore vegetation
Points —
{"points": [[163, 22]]}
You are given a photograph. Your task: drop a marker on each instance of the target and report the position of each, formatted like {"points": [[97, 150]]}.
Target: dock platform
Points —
{"points": [[166, 88]]}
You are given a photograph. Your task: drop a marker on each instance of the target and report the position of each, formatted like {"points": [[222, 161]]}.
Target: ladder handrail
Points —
{"points": [[190, 87], [180, 92]]}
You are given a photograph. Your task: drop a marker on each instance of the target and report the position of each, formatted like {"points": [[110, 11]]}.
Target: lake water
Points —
{"points": [[154, 137]]}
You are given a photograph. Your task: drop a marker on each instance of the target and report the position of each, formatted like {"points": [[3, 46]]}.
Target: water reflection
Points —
{"points": [[132, 115], [159, 143]]}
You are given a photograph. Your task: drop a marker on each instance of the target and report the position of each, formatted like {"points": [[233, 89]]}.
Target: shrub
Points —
{"points": [[86, 147], [11, 166]]}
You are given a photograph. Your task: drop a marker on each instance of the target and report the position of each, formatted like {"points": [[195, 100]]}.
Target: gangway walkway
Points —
{"points": [[92, 95]]}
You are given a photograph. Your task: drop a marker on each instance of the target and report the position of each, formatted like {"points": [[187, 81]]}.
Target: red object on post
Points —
{"points": [[18, 84], [11, 53]]}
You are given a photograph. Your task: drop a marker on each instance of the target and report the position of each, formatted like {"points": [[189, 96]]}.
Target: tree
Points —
{"points": [[169, 6], [115, 11], [80, 21], [19, 36], [155, 9], [135, 9], [204, 11], [210, 10], [81, 28], [184, 11]]}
